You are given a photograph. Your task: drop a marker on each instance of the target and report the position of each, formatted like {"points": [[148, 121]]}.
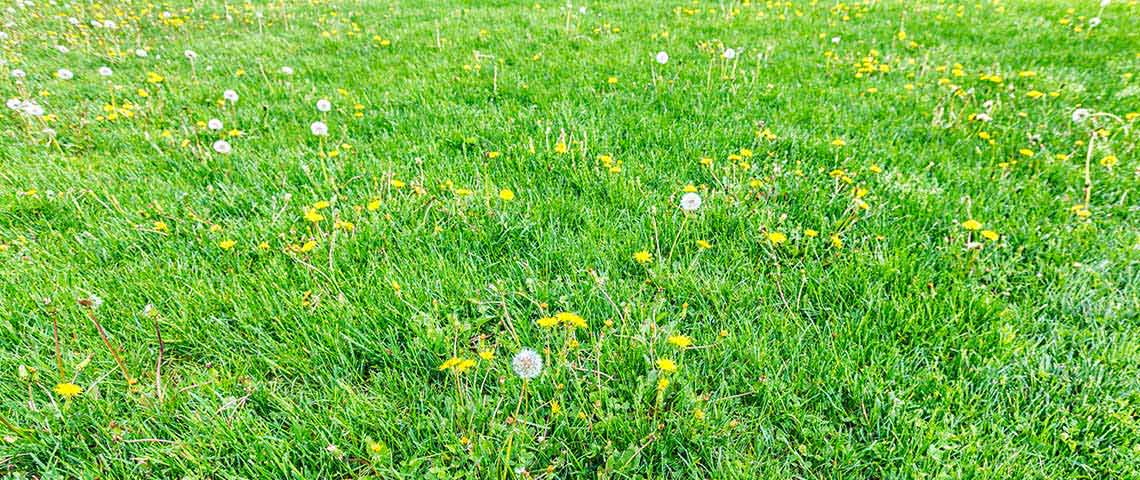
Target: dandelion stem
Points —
{"points": [[107, 342]]}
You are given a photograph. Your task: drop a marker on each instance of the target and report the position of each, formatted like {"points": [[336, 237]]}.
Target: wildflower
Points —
{"points": [[990, 235], [704, 244], [839, 142], [140, 52], [680, 341], [1109, 161], [662, 57], [1080, 115], [643, 257], [324, 105], [105, 71], [972, 225], [690, 202], [810, 233], [571, 319], [312, 215], [190, 55], [527, 364], [64, 74], [67, 390], [222, 147], [287, 70], [666, 365], [459, 365], [214, 124], [547, 322], [227, 244], [230, 96], [506, 195], [776, 238], [560, 147], [1094, 22], [729, 54], [319, 129]]}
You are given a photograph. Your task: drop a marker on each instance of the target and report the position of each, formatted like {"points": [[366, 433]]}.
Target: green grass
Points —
{"points": [[887, 346]]}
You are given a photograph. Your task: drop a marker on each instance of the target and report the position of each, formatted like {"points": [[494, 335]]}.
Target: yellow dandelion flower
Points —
{"points": [[643, 257], [972, 225], [666, 365], [67, 390]]}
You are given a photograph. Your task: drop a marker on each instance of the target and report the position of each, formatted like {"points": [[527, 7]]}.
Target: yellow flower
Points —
{"points": [[666, 365], [571, 319], [560, 147], [1109, 161], [811, 233], [160, 226], [680, 341], [487, 355], [777, 238], [547, 322], [838, 142], [990, 235], [396, 183], [312, 215], [308, 246], [1034, 94], [67, 390], [662, 383], [704, 244], [972, 225], [227, 244], [459, 365], [374, 205], [1025, 152], [506, 195], [555, 407], [642, 257], [154, 77], [689, 188]]}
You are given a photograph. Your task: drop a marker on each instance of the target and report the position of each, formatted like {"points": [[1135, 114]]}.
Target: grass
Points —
{"points": [[287, 309]]}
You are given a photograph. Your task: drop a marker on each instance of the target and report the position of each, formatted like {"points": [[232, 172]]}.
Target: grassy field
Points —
{"points": [[310, 239]]}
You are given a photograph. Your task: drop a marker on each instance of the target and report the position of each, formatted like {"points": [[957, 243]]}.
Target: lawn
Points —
{"points": [[535, 240]]}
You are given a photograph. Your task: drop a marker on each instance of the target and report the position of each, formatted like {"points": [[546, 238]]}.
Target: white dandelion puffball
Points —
{"points": [[1094, 22], [140, 52], [62, 49], [287, 70], [105, 71], [690, 202], [835, 40], [64, 74], [324, 105], [33, 109], [222, 147], [319, 128], [230, 95], [214, 124], [17, 73], [527, 364], [190, 54], [14, 103], [662, 57], [1081, 114], [729, 53]]}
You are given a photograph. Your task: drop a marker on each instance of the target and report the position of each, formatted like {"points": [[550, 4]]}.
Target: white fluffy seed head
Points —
{"points": [[527, 364], [319, 129], [230, 95], [662, 57], [1081, 114], [690, 202], [324, 105], [222, 147]]}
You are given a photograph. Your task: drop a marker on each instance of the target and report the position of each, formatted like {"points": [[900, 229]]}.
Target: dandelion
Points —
{"points": [[17, 73], [456, 364], [64, 74], [990, 235], [1094, 22], [690, 202], [506, 195], [776, 238], [227, 244], [222, 147], [643, 257], [571, 319], [680, 341], [214, 124], [666, 365], [662, 57], [14, 104], [972, 225], [287, 70], [319, 129], [1080, 115], [230, 96], [67, 390], [729, 54], [324, 105], [527, 364], [140, 52], [190, 55], [105, 71]]}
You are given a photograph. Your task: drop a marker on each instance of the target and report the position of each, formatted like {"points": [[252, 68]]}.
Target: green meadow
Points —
{"points": [[727, 239]]}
